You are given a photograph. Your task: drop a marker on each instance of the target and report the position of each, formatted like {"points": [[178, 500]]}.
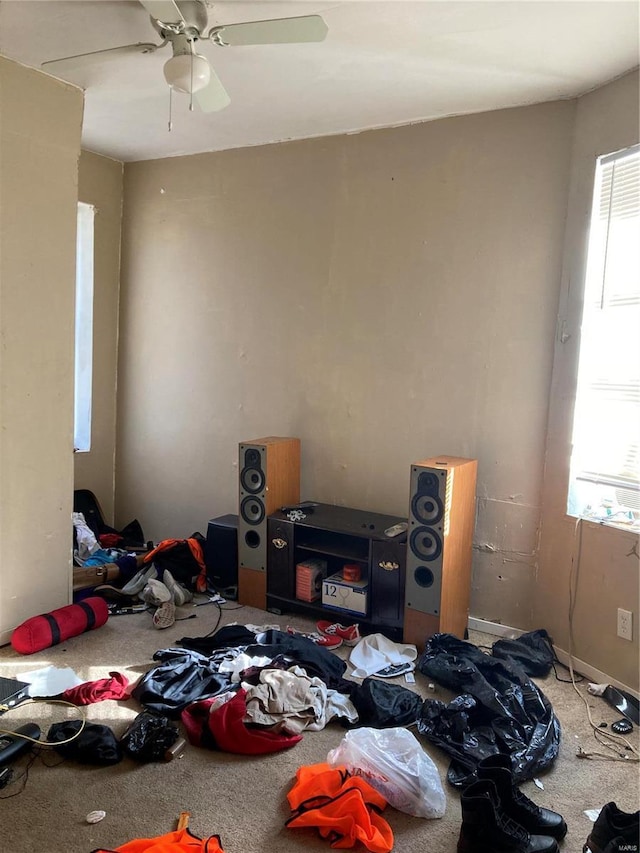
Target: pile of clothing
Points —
{"points": [[249, 690]]}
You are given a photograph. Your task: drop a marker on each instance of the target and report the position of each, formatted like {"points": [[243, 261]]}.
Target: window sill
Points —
{"points": [[628, 527]]}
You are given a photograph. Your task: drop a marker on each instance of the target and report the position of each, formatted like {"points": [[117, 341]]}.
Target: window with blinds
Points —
{"points": [[83, 329], [605, 462]]}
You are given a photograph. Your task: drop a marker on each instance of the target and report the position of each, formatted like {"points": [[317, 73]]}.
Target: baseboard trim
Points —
{"points": [[495, 628], [5, 637], [595, 676]]}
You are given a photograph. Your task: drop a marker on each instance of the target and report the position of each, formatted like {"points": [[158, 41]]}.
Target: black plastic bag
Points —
{"points": [[94, 744], [380, 704], [533, 651], [499, 710], [149, 737]]}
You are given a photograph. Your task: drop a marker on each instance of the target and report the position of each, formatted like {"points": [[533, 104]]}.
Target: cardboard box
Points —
{"points": [[348, 596], [309, 577]]}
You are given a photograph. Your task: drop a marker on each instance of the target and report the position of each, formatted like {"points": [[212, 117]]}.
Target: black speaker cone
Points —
{"points": [[252, 480], [252, 538], [427, 509], [425, 544], [252, 458], [252, 510], [428, 483], [423, 577]]}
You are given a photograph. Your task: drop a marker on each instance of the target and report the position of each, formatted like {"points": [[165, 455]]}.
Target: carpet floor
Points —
{"points": [[243, 799]]}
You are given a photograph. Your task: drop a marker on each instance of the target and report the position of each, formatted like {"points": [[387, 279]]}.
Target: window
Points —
{"points": [[605, 462], [83, 328]]}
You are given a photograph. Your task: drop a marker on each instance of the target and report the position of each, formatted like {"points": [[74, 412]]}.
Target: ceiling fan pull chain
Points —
{"points": [[170, 105]]}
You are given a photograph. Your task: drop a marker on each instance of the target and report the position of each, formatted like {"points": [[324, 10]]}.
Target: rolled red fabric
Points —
{"points": [[49, 629]]}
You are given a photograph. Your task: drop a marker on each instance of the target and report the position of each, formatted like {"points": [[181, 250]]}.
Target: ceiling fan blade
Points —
{"points": [[81, 60], [308, 28], [163, 10], [213, 97]]}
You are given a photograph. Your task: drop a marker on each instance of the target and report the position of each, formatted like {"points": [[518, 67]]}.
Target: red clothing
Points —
{"points": [[114, 687], [230, 733]]}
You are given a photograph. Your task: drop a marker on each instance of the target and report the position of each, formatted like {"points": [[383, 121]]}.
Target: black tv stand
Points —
{"points": [[339, 535]]}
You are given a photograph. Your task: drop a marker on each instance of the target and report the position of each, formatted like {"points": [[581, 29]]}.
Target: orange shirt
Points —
{"points": [[180, 841], [345, 809]]}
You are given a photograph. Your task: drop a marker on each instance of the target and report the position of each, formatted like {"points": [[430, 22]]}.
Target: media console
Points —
{"points": [[339, 535]]}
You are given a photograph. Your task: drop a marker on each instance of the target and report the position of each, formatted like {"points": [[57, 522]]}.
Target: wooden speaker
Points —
{"points": [[439, 547], [269, 478]]}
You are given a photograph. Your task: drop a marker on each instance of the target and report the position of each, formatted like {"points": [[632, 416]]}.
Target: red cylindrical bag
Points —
{"points": [[49, 629]]}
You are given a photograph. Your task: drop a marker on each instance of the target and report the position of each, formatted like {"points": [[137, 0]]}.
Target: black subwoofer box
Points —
{"points": [[221, 552]]}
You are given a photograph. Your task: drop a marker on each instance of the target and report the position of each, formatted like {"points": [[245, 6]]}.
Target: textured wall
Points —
{"points": [[385, 297], [39, 151]]}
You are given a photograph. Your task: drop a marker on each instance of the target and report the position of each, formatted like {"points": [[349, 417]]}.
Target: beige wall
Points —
{"points": [[39, 150], [100, 184], [605, 565], [385, 297]]}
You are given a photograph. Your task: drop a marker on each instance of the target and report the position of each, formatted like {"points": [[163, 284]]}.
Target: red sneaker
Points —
{"points": [[350, 635], [327, 642]]}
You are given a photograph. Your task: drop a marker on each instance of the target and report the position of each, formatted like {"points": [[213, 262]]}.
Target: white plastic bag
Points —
{"points": [[394, 763]]}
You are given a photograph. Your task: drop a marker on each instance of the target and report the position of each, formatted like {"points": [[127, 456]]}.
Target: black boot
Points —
{"points": [[614, 831], [517, 805], [487, 829]]}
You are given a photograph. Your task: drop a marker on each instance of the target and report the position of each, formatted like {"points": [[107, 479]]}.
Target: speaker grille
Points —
{"points": [[439, 547], [427, 507], [268, 477]]}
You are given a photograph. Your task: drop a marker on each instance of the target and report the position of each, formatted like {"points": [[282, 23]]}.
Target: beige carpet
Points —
{"points": [[243, 799]]}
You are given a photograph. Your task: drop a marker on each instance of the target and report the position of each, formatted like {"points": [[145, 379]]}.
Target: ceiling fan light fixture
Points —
{"points": [[187, 72]]}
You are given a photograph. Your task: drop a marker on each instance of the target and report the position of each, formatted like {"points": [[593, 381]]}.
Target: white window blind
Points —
{"points": [[605, 461]]}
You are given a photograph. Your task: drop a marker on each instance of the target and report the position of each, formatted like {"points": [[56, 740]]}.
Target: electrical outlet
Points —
{"points": [[625, 624]]}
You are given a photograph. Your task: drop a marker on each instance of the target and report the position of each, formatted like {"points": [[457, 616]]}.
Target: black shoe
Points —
{"points": [[486, 828], [614, 831], [517, 805]]}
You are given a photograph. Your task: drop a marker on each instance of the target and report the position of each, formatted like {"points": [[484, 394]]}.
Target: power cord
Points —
{"points": [[45, 743], [7, 775], [12, 779]]}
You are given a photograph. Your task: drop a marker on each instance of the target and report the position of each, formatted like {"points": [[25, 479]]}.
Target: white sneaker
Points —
{"points": [[179, 593], [155, 593], [137, 583], [165, 615]]}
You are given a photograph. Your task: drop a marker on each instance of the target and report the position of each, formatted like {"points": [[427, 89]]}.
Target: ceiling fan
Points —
{"points": [[181, 24]]}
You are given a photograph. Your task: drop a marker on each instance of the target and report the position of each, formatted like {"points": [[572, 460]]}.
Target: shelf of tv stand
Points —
{"points": [[339, 535], [351, 555], [315, 610]]}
